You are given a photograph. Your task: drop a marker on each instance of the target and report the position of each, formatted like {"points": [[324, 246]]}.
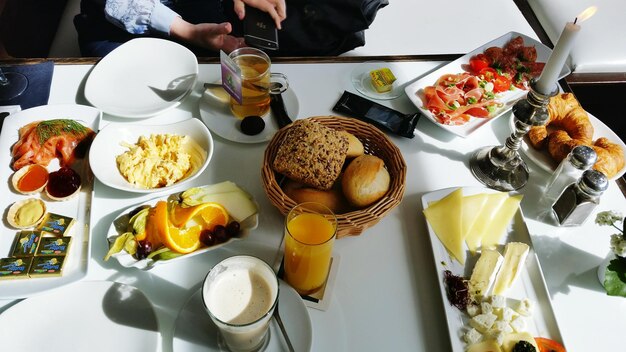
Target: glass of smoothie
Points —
{"points": [[310, 231], [240, 294]]}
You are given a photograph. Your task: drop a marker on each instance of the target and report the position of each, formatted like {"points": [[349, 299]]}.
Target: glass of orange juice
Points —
{"points": [[310, 231]]}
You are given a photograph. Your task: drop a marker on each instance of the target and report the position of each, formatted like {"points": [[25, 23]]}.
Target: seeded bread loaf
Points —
{"points": [[311, 154]]}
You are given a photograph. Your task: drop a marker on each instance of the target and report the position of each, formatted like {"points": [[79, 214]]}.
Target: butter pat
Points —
{"points": [[56, 224], [514, 258], [14, 268], [54, 246], [484, 273], [382, 79], [47, 266]]}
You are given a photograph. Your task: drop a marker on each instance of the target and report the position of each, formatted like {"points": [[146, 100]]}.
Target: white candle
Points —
{"points": [[550, 74]]}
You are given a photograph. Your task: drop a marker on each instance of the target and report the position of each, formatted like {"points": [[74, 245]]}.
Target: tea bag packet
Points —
{"points": [[377, 114], [231, 77]]}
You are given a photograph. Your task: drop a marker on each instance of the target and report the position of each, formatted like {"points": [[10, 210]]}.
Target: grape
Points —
{"points": [[143, 249], [220, 234], [233, 229], [206, 237]]}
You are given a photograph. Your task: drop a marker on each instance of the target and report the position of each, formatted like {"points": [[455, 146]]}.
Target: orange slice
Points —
{"points": [[208, 215]]}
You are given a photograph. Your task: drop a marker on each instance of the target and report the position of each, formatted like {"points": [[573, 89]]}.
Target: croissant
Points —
{"points": [[565, 113], [574, 129], [610, 157]]}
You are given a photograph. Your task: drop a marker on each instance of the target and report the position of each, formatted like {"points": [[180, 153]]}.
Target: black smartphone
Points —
{"points": [[259, 29]]}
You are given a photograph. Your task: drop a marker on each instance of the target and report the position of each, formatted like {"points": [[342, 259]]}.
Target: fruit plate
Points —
{"points": [[530, 283], [120, 224], [78, 207], [415, 90]]}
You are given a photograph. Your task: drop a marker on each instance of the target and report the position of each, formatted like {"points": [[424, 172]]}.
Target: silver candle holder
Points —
{"points": [[501, 167]]}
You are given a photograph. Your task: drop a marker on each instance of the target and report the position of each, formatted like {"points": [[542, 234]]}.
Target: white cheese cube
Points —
{"points": [[525, 307], [486, 307], [501, 326], [498, 337], [483, 322], [507, 314], [472, 336], [498, 301], [518, 324], [473, 310]]}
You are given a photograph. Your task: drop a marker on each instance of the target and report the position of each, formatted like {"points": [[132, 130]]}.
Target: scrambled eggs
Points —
{"points": [[158, 161]]}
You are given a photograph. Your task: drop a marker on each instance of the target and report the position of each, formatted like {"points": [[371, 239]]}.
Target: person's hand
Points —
{"points": [[213, 36], [276, 8]]}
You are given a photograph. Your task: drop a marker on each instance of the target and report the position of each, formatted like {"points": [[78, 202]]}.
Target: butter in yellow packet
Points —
{"points": [[382, 79]]}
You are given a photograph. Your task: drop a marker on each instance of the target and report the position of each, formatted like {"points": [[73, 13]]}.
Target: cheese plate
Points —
{"points": [[529, 285]]}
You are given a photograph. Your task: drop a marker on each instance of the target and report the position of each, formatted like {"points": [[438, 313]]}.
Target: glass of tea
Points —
{"points": [[310, 232], [257, 82]]}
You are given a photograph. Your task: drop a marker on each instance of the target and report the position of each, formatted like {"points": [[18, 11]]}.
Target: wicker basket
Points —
{"points": [[376, 143]]}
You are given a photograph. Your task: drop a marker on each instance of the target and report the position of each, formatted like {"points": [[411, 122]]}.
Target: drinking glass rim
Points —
{"points": [[269, 311], [253, 51], [330, 214]]}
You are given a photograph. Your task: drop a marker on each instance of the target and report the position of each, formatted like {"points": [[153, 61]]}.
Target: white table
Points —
{"points": [[386, 296]]}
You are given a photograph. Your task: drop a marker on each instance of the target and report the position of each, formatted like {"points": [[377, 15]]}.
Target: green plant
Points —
{"points": [[615, 276]]}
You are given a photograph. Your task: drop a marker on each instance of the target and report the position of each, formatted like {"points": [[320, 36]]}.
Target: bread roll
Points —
{"points": [[355, 147], [365, 180], [333, 199]]}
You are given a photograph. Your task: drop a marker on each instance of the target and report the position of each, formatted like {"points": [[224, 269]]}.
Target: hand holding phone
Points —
{"points": [[259, 29]]}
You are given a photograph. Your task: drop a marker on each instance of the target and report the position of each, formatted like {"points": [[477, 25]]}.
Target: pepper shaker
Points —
{"points": [[570, 169], [578, 200]]}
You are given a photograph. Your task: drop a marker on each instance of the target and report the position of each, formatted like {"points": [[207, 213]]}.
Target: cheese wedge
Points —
{"points": [[472, 208], [485, 346], [444, 216], [484, 219], [485, 271], [514, 258], [497, 228]]}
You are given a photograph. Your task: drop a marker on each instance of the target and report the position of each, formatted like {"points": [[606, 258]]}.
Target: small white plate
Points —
{"points": [[194, 330], [74, 318], [360, 77], [415, 89], [75, 267], [530, 283], [141, 78], [108, 145], [120, 224], [215, 113], [543, 159]]}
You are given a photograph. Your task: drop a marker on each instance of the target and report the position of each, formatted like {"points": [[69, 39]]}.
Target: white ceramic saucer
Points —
{"points": [[194, 330], [83, 316], [216, 114]]}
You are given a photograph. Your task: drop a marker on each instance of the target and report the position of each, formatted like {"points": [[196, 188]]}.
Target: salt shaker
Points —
{"points": [[578, 200], [570, 169]]}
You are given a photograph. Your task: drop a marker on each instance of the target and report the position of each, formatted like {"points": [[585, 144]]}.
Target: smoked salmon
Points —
{"points": [[41, 141]]}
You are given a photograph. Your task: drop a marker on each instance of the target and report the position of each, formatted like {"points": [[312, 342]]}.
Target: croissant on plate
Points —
{"points": [[565, 114], [610, 157]]}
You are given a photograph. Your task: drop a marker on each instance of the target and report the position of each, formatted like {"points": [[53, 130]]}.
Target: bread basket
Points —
{"points": [[376, 143]]}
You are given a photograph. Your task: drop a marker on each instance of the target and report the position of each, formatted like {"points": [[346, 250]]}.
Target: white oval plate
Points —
{"points": [[194, 330], [75, 267], [120, 224], [543, 159], [215, 113], [141, 78], [108, 145], [76, 316], [415, 90]]}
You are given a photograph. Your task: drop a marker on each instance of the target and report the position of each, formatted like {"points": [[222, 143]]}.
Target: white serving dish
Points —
{"points": [[415, 89], [142, 78], [78, 207], [120, 225], [530, 283], [108, 145]]}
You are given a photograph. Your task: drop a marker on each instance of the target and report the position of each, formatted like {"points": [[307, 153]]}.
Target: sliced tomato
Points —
{"points": [[501, 84], [478, 62], [548, 345], [478, 112]]}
